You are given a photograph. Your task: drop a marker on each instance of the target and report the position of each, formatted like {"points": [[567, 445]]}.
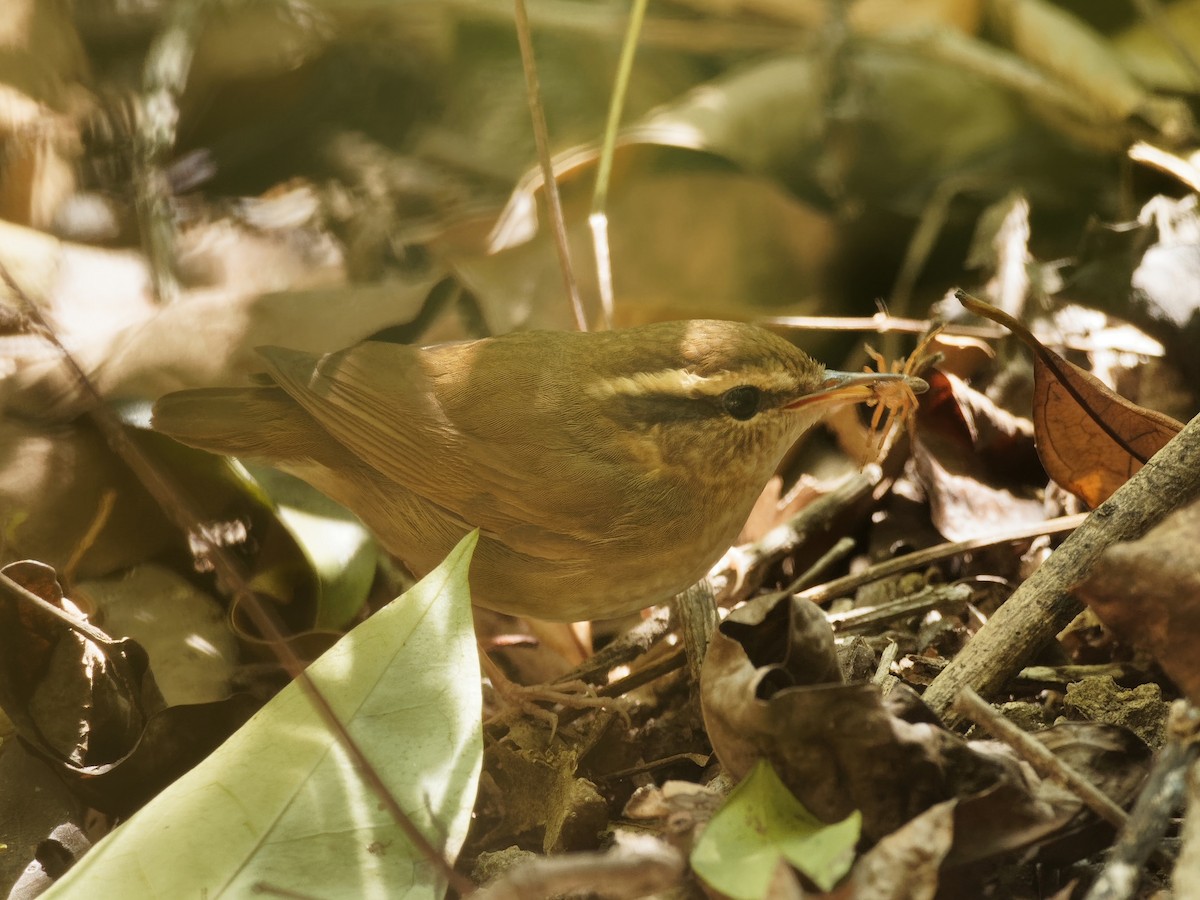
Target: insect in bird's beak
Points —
{"points": [[855, 387]]}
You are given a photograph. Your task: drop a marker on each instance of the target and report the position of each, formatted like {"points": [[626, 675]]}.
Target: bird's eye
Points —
{"points": [[741, 402]]}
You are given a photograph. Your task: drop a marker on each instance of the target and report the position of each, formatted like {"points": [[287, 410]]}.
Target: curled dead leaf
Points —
{"points": [[1090, 439], [770, 689]]}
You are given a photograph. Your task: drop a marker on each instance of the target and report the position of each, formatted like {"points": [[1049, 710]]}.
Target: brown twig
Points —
{"points": [[971, 706], [751, 560], [79, 625], [885, 323], [695, 612], [628, 646], [843, 586], [558, 223], [922, 601]]}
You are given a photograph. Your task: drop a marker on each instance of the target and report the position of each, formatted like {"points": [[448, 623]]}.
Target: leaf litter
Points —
{"points": [[767, 204]]}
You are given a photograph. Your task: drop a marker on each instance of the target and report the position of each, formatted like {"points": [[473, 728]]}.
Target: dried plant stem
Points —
{"points": [[164, 78], [748, 563], [971, 706], [558, 223], [624, 649], [831, 557], [843, 586], [868, 617], [885, 323], [883, 672], [696, 612], [880, 323]]}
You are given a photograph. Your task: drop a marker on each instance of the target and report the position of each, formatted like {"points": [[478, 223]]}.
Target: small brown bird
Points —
{"points": [[606, 471]]}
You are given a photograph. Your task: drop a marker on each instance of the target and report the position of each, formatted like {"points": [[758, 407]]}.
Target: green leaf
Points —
{"points": [[280, 803], [339, 549], [762, 822]]}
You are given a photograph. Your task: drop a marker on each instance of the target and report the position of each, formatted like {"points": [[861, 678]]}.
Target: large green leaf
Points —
{"points": [[280, 804]]}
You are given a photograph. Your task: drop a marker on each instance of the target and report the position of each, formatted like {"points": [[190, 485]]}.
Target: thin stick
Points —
{"points": [[835, 554], [868, 617], [883, 672], [533, 93], [843, 586], [695, 610], [747, 564], [880, 323], [971, 706], [885, 323], [79, 625]]}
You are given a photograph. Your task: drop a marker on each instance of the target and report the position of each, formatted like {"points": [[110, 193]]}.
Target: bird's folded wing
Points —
{"points": [[377, 400]]}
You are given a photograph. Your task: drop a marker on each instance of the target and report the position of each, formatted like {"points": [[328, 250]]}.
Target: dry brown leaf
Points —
{"points": [[1148, 592], [974, 460], [904, 865], [771, 688], [962, 355], [1090, 439]]}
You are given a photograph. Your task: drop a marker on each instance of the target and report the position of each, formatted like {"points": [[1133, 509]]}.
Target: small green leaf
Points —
{"points": [[760, 823], [280, 804], [339, 549]]}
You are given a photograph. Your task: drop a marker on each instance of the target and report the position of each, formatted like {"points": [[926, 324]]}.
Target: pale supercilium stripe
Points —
{"points": [[685, 383]]}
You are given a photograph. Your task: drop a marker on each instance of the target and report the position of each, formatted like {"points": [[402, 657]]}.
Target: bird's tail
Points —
{"points": [[263, 423]]}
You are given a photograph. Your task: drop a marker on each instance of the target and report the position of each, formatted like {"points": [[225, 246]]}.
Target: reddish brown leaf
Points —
{"points": [[1090, 439]]}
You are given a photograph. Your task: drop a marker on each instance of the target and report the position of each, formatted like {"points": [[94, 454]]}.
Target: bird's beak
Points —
{"points": [[853, 387]]}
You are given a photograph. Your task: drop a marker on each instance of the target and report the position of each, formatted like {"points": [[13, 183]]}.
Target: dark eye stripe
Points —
{"points": [[651, 408]]}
